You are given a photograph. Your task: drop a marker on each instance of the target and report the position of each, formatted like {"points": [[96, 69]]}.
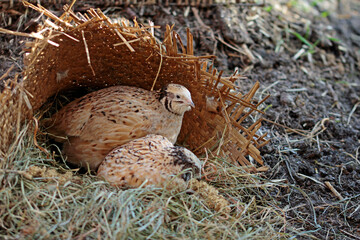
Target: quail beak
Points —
{"points": [[190, 103]]}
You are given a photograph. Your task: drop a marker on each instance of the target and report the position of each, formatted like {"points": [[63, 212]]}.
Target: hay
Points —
{"points": [[82, 206], [77, 50]]}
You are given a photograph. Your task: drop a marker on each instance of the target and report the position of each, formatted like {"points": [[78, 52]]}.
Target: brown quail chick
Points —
{"points": [[150, 160], [94, 124]]}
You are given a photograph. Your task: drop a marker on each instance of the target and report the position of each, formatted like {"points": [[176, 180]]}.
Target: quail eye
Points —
{"points": [[177, 96], [186, 176]]}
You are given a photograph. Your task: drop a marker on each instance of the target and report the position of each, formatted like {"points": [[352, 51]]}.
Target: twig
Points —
{"points": [[124, 40], [32, 35], [316, 129], [333, 190], [204, 144], [130, 41], [232, 47], [7, 72], [268, 87], [71, 37], [349, 234], [356, 157], [298, 131], [311, 178], [158, 72], [47, 13], [87, 52], [197, 16], [352, 112], [151, 23]]}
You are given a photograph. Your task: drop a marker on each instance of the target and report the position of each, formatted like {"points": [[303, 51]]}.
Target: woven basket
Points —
{"points": [[89, 50]]}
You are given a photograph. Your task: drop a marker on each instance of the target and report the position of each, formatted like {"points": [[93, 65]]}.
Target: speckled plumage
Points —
{"points": [[151, 160], [100, 121]]}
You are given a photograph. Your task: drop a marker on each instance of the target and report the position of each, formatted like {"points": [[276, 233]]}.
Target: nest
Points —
{"points": [[89, 50]]}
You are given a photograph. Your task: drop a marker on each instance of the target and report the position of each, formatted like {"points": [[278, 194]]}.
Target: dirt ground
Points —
{"points": [[313, 114]]}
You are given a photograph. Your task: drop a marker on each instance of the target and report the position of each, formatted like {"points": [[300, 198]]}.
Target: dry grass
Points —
{"points": [[42, 198]]}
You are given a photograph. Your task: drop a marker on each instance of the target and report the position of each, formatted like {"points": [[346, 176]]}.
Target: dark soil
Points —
{"points": [[313, 111]]}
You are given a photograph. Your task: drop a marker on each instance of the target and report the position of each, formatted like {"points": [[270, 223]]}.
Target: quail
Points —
{"points": [[91, 126], [151, 160]]}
